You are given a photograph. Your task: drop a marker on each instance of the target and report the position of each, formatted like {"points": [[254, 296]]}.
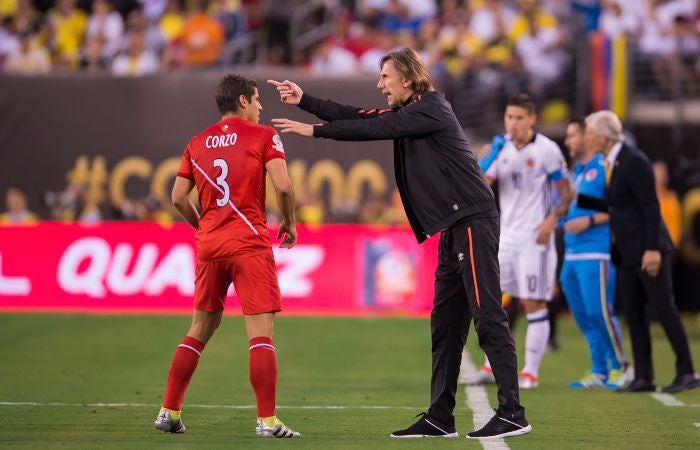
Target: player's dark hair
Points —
{"points": [[230, 88], [522, 101], [580, 121], [409, 65]]}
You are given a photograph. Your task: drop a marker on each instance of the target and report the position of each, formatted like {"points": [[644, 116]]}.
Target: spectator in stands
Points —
{"points": [[331, 60], [492, 21], [310, 210], [540, 50], [171, 26], [17, 211], [136, 60], [9, 41], [668, 201], [230, 16], [172, 23], [372, 210], [405, 14], [617, 19], [278, 16], [30, 57], [530, 12], [27, 17], [687, 49], [202, 37], [357, 37], [107, 26], [63, 33], [92, 56], [384, 42], [152, 36], [153, 9]]}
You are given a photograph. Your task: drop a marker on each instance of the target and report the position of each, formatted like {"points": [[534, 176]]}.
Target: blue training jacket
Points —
{"points": [[589, 179]]}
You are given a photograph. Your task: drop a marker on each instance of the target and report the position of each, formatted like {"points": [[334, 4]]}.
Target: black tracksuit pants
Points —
{"points": [[467, 287]]}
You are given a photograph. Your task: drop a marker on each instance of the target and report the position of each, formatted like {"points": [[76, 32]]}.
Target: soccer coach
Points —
{"points": [[641, 248], [442, 192]]}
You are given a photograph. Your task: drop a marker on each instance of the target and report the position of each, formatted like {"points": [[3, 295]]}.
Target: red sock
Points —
{"points": [[181, 369], [263, 374]]}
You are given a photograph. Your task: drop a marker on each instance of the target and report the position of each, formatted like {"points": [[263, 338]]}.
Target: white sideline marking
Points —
{"points": [[667, 399], [156, 405], [478, 402]]}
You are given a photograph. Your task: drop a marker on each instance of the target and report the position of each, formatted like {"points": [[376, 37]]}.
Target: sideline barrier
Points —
{"points": [[122, 267]]}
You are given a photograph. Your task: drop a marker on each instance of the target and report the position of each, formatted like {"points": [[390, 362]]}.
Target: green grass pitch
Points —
{"points": [[344, 383]]}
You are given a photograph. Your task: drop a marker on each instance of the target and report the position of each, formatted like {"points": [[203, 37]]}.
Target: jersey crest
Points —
{"points": [[591, 175]]}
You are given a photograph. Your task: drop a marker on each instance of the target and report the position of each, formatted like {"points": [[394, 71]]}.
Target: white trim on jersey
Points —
{"points": [[221, 191], [586, 256]]}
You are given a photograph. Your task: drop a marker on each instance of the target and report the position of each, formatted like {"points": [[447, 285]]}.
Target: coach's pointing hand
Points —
{"points": [[290, 93], [291, 126]]}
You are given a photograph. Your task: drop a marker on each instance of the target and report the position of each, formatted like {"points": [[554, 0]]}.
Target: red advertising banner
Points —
{"points": [[145, 268]]}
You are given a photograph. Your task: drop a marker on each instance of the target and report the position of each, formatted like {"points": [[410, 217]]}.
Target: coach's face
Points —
{"points": [[594, 141], [518, 122], [574, 140], [396, 88]]}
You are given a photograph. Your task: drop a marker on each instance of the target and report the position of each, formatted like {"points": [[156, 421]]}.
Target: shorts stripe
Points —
{"points": [[471, 260]]}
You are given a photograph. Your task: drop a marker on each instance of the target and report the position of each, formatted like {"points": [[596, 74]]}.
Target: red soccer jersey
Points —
{"points": [[227, 163]]}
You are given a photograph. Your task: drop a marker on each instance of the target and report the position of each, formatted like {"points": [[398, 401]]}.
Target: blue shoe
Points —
{"points": [[589, 381]]}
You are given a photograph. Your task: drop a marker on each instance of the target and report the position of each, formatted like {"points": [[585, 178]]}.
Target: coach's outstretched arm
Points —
{"points": [[277, 168], [416, 119], [328, 110]]}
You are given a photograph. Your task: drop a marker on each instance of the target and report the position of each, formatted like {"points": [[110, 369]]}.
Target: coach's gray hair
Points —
{"points": [[606, 123]]}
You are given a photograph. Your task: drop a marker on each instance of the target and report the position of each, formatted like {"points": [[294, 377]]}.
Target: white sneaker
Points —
{"points": [[166, 424], [526, 380], [618, 379], [275, 428], [483, 376]]}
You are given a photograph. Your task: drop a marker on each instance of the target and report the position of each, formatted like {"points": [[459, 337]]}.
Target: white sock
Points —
{"points": [[536, 339], [487, 364]]}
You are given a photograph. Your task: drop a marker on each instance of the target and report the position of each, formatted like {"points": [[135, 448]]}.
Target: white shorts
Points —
{"points": [[528, 272]]}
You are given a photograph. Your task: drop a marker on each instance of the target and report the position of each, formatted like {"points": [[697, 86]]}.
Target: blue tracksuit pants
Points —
{"points": [[589, 287]]}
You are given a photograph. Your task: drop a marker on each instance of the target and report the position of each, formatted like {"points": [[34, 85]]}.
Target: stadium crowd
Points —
{"points": [[516, 42]]}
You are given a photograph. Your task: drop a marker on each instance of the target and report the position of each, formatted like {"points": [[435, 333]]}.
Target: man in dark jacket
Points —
{"points": [[442, 192], [640, 249]]}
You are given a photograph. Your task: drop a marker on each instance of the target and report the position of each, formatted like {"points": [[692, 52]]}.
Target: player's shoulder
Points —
{"points": [[543, 141], [547, 145]]}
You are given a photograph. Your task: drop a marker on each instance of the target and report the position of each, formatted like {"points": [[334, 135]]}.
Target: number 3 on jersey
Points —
{"points": [[221, 182]]}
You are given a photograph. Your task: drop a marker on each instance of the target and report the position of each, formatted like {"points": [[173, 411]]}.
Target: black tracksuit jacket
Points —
{"points": [[436, 173]]}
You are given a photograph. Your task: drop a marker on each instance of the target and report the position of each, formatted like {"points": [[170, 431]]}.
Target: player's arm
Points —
{"points": [[277, 168], [566, 196], [583, 223], [328, 110], [488, 156], [181, 199]]}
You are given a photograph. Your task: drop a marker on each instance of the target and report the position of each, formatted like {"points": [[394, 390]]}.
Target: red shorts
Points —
{"points": [[254, 277]]}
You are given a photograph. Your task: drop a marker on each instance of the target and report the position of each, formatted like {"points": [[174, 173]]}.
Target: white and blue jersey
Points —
{"points": [[525, 177], [593, 243]]}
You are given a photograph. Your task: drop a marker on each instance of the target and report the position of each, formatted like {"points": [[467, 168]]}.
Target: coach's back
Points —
{"points": [[635, 217]]}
